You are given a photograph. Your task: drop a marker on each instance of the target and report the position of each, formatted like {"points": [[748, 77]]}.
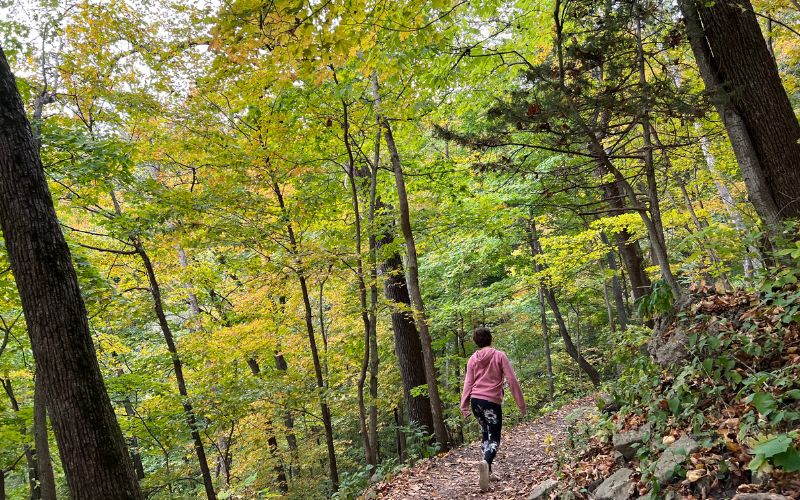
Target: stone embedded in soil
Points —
{"points": [[672, 457], [618, 486], [670, 351], [629, 441], [542, 490]]}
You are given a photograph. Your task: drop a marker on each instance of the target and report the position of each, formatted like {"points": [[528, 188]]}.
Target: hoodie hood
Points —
{"points": [[484, 356]]}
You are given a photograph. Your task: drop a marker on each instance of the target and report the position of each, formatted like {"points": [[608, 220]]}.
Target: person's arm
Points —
{"points": [[469, 380], [516, 390]]}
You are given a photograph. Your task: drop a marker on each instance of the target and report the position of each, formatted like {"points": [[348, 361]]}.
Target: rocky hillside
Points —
{"points": [[712, 412]]}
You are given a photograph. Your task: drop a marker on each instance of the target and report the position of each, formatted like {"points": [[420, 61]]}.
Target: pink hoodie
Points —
{"points": [[485, 372]]}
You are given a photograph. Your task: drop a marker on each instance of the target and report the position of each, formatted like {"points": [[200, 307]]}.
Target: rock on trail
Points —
{"points": [[524, 460]]}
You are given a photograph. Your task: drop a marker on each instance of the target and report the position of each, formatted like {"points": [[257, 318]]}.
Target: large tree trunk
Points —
{"points": [[90, 441], [407, 346], [629, 250], [736, 67], [418, 307], [440, 430], [47, 480]]}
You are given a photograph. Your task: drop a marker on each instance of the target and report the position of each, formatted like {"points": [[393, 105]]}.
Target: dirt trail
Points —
{"points": [[525, 459]]}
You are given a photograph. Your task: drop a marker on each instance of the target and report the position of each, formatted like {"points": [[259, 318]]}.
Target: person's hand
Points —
{"points": [[465, 413]]}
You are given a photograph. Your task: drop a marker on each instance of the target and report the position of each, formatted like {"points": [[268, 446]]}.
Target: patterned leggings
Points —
{"points": [[490, 416]]}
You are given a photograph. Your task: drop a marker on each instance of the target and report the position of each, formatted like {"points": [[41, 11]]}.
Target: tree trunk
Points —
{"points": [[47, 480], [89, 438], [616, 286], [399, 436], [312, 341], [407, 345], [569, 346], [548, 360], [272, 441], [30, 458], [630, 251], [177, 365], [288, 419], [440, 430], [421, 320], [373, 300], [749, 263], [745, 86], [657, 236], [367, 431]]}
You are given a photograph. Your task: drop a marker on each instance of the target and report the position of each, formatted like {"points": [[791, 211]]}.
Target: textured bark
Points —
{"points": [[90, 441], [47, 480], [420, 316], [743, 80], [407, 345]]}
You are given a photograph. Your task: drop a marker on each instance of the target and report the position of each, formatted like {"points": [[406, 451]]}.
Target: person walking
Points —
{"points": [[483, 393]]}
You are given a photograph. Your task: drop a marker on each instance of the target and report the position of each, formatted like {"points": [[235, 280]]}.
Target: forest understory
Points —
{"points": [[249, 248]]}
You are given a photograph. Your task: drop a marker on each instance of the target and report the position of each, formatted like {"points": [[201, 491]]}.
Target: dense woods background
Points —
{"points": [[286, 218]]}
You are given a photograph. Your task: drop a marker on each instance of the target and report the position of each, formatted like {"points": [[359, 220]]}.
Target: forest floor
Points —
{"points": [[525, 459]]}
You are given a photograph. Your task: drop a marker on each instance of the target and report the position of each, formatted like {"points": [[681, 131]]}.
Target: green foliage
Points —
{"points": [[658, 301], [200, 133]]}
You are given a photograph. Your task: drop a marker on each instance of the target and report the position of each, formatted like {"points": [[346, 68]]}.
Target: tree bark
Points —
{"points": [[440, 430], [89, 438], [407, 345], [745, 86], [629, 250], [47, 480]]}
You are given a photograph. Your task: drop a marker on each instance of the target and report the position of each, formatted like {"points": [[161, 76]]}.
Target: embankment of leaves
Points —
{"points": [[728, 379]]}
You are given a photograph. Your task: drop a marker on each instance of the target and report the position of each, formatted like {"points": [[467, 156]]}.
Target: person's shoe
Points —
{"points": [[483, 470]]}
